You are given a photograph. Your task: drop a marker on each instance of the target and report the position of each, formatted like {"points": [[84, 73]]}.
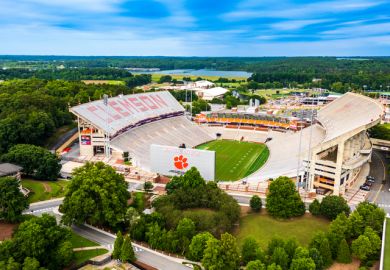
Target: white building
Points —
{"points": [[200, 84], [209, 94]]}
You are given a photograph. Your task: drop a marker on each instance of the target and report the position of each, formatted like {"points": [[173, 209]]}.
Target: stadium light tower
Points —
{"points": [[107, 133]]}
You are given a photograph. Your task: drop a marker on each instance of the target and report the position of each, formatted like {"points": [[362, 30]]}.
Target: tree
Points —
{"points": [[230, 254], [12, 200], [321, 243], [36, 161], [132, 217], [283, 199], [251, 250], [148, 186], [185, 230], [361, 247], [332, 206], [341, 226], [118, 245], [165, 78], [314, 208], [280, 257], [290, 246], [274, 243], [317, 258], [96, 194], [45, 241], [372, 215], [344, 254], [255, 265], [65, 254], [274, 266], [301, 252], [191, 179], [212, 259], [255, 203], [198, 245], [127, 252], [31, 264], [303, 264]]}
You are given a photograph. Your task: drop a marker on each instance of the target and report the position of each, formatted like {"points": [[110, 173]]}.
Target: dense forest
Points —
{"points": [[31, 110], [337, 74]]}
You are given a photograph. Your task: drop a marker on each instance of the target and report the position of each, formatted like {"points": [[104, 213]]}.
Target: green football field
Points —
{"points": [[235, 160]]}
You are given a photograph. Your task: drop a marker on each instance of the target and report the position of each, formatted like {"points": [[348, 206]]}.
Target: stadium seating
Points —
{"points": [[236, 134], [171, 131]]}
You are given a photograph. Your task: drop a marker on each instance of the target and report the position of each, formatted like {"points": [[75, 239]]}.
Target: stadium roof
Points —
{"points": [[124, 111], [349, 112], [338, 118]]}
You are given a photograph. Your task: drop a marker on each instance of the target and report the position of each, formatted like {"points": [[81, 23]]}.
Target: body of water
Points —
{"points": [[199, 72]]}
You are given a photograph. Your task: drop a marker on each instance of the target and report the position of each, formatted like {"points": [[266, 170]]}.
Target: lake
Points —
{"points": [[198, 72]]}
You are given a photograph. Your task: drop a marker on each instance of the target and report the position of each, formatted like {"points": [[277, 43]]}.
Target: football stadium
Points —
{"points": [[153, 131]]}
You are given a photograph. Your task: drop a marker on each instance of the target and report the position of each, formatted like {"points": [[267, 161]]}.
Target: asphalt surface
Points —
{"points": [[380, 193], [143, 255]]}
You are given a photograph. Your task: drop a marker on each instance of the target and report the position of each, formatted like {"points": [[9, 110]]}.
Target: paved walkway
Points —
{"points": [[89, 248]]}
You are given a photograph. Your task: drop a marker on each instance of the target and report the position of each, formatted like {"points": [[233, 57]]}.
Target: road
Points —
{"points": [[380, 193], [144, 255]]}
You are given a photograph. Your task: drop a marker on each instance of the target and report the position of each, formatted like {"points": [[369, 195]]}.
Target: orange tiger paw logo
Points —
{"points": [[180, 162]]}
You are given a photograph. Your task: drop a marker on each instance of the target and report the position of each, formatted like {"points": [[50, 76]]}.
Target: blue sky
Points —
{"points": [[195, 27]]}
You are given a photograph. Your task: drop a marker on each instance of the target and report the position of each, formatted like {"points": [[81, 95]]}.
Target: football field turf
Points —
{"points": [[235, 160]]}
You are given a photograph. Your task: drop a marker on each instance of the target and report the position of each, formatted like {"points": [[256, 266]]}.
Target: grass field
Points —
{"points": [[78, 241], [386, 262], [84, 255], [44, 190], [263, 227], [235, 160]]}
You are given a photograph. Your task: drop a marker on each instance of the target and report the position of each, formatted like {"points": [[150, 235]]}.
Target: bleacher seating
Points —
{"points": [[171, 131]]}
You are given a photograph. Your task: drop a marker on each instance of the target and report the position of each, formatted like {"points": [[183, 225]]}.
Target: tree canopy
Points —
{"points": [[12, 200], [96, 194], [41, 240], [36, 161], [283, 199]]}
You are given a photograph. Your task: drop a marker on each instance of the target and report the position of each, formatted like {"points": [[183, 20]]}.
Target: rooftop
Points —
{"points": [[7, 169]]}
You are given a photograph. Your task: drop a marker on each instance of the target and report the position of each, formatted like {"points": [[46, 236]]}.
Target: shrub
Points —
{"points": [[344, 254], [314, 208], [256, 203], [332, 206]]}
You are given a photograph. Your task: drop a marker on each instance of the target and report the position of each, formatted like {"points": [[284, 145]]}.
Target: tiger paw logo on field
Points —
{"points": [[180, 162]]}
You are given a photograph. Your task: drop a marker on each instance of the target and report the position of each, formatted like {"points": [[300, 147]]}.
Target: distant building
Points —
{"points": [[209, 94], [201, 84]]}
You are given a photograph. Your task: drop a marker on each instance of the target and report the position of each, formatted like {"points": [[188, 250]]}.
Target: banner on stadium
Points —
{"points": [[171, 161]]}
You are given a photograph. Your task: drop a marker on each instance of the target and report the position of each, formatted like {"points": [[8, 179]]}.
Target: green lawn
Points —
{"points": [[386, 262], [79, 241], [55, 189], [235, 160], [84, 255], [263, 227]]}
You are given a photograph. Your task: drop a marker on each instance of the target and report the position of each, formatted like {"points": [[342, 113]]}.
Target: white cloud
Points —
{"points": [[295, 24], [288, 11], [359, 30]]}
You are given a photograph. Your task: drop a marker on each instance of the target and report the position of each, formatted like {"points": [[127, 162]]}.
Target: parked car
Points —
{"points": [[369, 177], [370, 180], [368, 183], [364, 187]]}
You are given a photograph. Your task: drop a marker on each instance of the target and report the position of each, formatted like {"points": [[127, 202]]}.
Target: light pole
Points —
{"points": [[107, 133]]}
